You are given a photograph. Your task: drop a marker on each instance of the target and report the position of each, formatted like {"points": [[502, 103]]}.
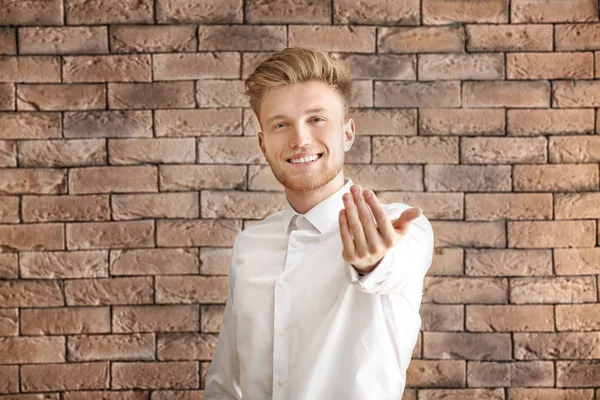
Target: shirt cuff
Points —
{"points": [[373, 279]]}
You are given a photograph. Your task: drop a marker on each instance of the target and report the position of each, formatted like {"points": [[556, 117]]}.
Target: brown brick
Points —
{"points": [[550, 66], [553, 290], [109, 12], [563, 177], [537, 234], [159, 205], [578, 373], [186, 346], [408, 150], [380, 13], [153, 38], [63, 40], [437, 317], [113, 179], [577, 205], [503, 150], [151, 95], [109, 68], [102, 235], [509, 318], [441, 12], [470, 346], [385, 177], [552, 346], [182, 123], [214, 261], [579, 317], [197, 177], [31, 12], [464, 122], [260, 177], [422, 39], [111, 347], [381, 66], [363, 94], [65, 208], [32, 181], [151, 151], [436, 373], [554, 11], [469, 234], [9, 209], [577, 36], [8, 40], [29, 125], [519, 373], [575, 149], [53, 377], [8, 157], [550, 122], [66, 320], [577, 261], [220, 93], [154, 262], [108, 291], [106, 395], [30, 294], [461, 394], [340, 38], [155, 375], [281, 11], [382, 122], [101, 124], [9, 326], [241, 205], [461, 66], [64, 264], [493, 206], [508, 262], [29, 350], [409, 394], [62, 153], [571, 94], [509, 37], [7, 96], [360, 152], [29, 69], [434, 205], [444, 94], [206, 11], [156, 318], [178, 394], [550, 394], [460, 290], [43, 396], [230, 150], [211, 318], [211, 232], [9, 379], [191, 289], [471, 178], [61, 97], [506, 94], [447, 262], [196, 66], [32, 237], [242, 38]]}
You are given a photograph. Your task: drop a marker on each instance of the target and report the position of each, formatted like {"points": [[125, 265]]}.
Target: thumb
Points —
{"points": [[403, 221]]}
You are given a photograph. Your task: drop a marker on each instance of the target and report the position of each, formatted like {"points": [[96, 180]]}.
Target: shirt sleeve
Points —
{"points": [[222, 381], [404, 266]]}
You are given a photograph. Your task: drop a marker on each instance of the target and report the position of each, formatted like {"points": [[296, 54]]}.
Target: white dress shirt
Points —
{"points": [[301, 324]]}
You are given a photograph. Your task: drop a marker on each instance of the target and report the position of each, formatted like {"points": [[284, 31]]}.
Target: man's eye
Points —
{"points": [[318, 119], [280, 125]]}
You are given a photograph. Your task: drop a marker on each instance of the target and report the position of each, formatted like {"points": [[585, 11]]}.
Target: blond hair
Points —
{"points": [[295, 65]]}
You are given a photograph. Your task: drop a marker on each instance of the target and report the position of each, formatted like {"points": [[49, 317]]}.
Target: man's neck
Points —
{"points": [[302, 202]]}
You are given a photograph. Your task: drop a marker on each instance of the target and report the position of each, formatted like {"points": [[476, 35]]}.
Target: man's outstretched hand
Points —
{"points": [[366, 241]]}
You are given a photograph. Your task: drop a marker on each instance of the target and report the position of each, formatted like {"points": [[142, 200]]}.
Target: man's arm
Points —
{"points": [[223, 379]]}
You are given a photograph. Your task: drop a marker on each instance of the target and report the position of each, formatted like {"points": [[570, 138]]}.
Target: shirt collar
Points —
{"points": [[323, 215]]}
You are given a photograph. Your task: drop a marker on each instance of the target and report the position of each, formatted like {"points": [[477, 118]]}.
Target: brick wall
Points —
{"points": [[129, 163]]}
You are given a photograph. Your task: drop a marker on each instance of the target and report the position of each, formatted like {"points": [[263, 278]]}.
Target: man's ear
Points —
{"points": [[349, 133]]}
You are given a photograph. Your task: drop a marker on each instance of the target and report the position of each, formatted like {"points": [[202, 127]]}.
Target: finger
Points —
{"points": [[360, 243], [384, 224], [406, 218], [372, 235], [346, 235]]}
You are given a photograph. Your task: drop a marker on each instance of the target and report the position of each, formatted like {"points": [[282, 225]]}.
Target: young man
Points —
{"points": [[324, 296]]}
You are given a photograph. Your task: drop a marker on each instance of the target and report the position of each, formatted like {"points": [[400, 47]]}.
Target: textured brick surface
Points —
{"points": [[129, 163]]}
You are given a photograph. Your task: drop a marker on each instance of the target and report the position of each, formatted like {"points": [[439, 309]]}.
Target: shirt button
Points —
{"points": [[280, 382], [294, 243], [281, 283], [281, 333]]}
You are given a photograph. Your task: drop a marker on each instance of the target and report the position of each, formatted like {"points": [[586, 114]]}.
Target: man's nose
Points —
{"points": [[301, 136]]}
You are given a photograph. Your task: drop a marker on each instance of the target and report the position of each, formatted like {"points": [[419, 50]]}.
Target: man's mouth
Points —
{"points": [[305, 159]]}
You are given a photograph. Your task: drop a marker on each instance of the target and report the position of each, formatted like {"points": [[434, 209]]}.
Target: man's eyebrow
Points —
{"points": [[309, 111]]}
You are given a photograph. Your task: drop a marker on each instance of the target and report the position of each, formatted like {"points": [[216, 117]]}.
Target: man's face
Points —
{"points": [[304, 119]]}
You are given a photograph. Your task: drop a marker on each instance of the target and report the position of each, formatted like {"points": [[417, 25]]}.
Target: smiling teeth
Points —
{"points": [[304, 159]]}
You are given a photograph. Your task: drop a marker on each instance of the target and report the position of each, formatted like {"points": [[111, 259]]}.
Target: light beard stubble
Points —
{"points": [[303, 183]]}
